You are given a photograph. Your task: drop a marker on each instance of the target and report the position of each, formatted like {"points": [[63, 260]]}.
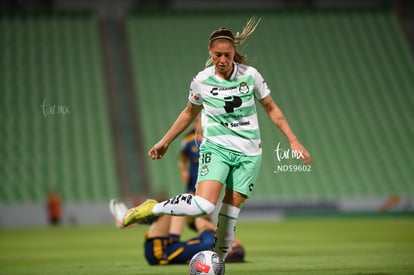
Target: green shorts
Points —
{"points": [[235, 170]]}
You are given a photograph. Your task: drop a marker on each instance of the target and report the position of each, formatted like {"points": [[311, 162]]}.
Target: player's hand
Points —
{"points": [[301, 152], [158, 150]]}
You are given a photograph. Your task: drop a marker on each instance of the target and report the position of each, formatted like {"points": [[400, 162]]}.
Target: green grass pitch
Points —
{"points": [[293, 246]]}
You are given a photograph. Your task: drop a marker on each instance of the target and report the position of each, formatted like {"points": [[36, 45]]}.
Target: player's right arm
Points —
{"points": [[182, 122]]}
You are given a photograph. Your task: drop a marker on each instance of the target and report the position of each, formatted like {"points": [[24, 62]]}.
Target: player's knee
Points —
{"points": [[205, 206]]}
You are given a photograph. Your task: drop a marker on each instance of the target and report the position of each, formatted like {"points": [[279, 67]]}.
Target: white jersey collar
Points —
{"points": [[233, 75]]}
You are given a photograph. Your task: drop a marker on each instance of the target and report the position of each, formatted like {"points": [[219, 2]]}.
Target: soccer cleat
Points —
{"points": [[140, 214], [118, 211], [236, 254]]}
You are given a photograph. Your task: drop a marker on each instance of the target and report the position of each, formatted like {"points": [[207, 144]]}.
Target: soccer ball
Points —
{"points": [[206, 262]]}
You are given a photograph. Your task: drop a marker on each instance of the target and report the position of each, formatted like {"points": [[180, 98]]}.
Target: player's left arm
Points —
{"points": [[277, 117]]}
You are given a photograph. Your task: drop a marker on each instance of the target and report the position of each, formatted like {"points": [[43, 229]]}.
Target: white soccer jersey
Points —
{"points": [[229, 115]]}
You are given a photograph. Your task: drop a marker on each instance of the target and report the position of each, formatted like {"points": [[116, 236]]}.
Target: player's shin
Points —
{"points": [[226, 228], [184, 205]]}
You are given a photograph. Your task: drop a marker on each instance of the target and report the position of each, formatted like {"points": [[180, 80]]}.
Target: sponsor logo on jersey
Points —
{"points": [[216, 90], [195, 97], [235, 123]]}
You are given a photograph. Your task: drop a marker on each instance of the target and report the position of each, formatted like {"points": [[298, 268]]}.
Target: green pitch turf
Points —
{"points": [[293, 246]]}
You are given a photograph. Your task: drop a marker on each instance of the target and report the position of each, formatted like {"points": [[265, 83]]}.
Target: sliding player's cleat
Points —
{"points": [[118, 211], [140, 214]]}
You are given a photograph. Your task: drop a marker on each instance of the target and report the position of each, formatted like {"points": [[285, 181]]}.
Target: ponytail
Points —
{"points": [[226, 34]]}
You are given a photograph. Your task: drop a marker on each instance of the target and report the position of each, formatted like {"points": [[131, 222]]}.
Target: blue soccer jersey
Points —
{"points": [[159, 251], [190, 151]]}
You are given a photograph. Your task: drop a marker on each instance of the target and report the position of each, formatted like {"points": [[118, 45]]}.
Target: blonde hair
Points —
{"points": [[225, 34]]}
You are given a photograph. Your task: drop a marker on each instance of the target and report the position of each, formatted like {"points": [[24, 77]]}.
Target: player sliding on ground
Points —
{"points": [[230, 154], [161, 247]]}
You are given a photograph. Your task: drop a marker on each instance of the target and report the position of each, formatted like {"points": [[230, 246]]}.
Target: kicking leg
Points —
{"points": [[202, 203]]}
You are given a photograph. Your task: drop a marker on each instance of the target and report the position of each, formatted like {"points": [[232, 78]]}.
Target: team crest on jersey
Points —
{"points": [[243, 88], [204, 170]]}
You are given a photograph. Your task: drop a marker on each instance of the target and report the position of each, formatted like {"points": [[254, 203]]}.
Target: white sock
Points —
{"points": [[226, 229], [184, 205]]}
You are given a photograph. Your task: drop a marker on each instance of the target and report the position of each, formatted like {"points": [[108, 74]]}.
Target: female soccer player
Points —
{"points": [[230, 155]]}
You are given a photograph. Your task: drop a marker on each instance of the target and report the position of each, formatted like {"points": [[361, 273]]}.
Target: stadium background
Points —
{"points": [[87, 87]]}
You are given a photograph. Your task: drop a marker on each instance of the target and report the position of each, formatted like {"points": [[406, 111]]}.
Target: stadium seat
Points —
{"points": [[53, 113]]}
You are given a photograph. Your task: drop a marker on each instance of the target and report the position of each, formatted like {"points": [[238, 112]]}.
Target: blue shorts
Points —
{"points": [[159, 251]]}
